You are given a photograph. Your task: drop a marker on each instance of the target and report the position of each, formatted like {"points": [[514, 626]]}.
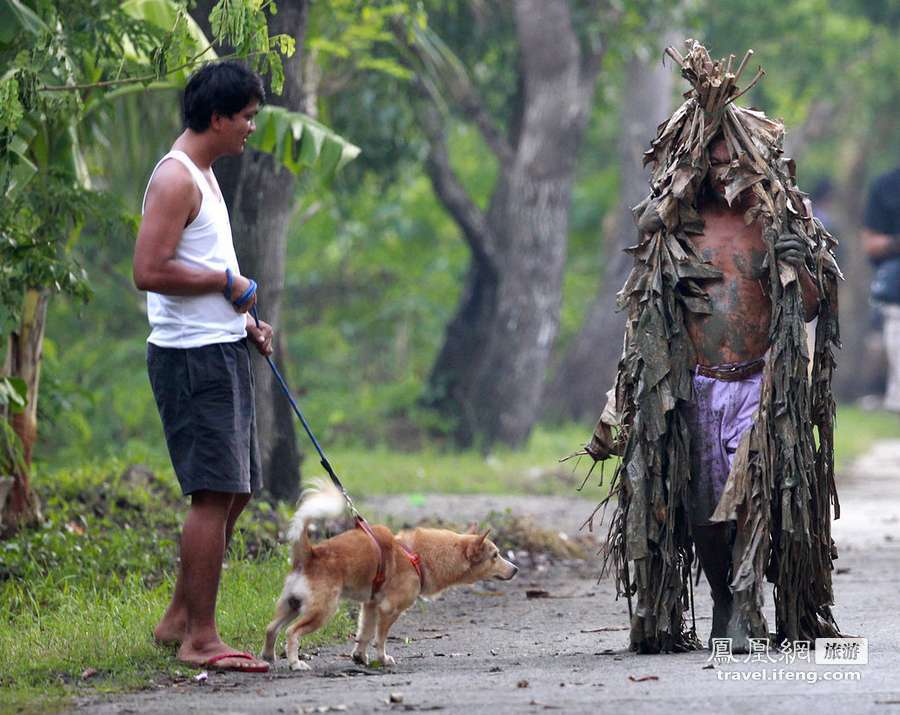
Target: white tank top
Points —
{"points": [[190, 321]]}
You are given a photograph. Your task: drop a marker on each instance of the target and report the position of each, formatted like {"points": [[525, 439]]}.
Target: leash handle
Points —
{"points": [[323, 460]]}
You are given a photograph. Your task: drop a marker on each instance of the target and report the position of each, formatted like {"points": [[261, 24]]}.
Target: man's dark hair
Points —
{"points": [[223, 88]]}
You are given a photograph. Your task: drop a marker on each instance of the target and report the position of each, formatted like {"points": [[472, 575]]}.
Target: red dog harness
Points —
{"points": [[378, 581]]}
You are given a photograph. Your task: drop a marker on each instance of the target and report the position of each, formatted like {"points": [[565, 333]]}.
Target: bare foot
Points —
{"points": [[170, 630], [220, 656]]}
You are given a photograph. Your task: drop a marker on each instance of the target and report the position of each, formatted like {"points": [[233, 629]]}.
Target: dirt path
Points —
{"points": [[492, 649]]}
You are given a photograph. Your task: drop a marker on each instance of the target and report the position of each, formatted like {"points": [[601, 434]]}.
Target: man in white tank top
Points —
{"points": [[198, 359]]}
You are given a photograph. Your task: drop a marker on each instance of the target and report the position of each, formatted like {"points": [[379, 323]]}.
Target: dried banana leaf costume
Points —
{"points": [[781, 487]]}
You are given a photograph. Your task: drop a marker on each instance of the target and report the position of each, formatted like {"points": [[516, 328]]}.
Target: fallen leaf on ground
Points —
{"points": [[642, 678], [88, 673], [537, 593], [522, 684]]}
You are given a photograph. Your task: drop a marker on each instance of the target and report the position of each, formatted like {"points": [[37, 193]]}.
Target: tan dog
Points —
{"points": [[346, 565]]}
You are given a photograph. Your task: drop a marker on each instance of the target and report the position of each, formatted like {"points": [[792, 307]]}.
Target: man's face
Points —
{"points": [[234, 130], [719, 161]]}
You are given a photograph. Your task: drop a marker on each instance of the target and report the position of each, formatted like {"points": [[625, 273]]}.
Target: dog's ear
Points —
{"points": [[473, 528], [475, 548]]}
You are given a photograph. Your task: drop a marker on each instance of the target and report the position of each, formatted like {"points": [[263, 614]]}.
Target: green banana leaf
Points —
{"points": [[17, 173], [15, 17], [299, 141], [164, 14], [13, 393]]}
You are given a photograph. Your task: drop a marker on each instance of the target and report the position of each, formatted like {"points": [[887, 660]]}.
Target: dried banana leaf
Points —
{"points": [[781, 489]]}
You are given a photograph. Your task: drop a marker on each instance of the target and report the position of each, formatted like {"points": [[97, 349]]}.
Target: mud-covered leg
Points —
{"points": [[365, 631], [713, 545]]}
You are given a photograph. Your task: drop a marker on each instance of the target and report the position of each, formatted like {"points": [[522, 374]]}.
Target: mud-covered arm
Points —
{"points": [[793, 250], [605, 441]]}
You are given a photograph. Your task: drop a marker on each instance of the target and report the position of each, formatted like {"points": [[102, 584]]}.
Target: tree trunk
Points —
{"points": [[260, 195], [588, 369], [19, 505], [488, 376]]}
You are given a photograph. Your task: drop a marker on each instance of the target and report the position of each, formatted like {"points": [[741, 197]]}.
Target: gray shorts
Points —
{"points": [[205, 401]]}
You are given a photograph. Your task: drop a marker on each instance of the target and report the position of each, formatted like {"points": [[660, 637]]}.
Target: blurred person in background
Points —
{"points": [[881, 242]]}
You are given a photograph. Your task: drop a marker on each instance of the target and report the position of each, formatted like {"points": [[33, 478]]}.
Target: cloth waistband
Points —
{"points": [[734, 371]]}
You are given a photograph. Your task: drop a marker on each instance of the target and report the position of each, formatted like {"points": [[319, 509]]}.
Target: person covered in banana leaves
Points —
{"points": [[725, 433]]}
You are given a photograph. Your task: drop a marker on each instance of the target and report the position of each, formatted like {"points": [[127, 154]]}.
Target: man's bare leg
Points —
{"points": [[171, 628], [237, 506], [202, 550]]}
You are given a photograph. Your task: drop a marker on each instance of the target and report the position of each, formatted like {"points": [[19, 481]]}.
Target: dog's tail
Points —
{"points": [[321, 501]]}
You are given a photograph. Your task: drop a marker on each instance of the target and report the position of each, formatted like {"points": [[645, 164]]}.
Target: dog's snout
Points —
{"points": [[508, 573]]}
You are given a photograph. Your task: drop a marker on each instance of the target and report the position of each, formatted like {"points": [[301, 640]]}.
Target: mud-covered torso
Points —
{"points": [[738, 327]]}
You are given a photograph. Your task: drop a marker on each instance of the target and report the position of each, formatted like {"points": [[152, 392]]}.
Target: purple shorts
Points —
{"points": [[720, 414]]}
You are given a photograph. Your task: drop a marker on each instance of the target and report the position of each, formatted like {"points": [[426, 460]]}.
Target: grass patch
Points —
{"points": [[85, 590], [856, 430], [108, 630], [532, 469], [535, 468]]}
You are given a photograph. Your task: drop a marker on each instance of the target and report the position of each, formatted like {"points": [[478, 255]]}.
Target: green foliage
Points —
{"points": [[103, 525], [816, 52], [242, 24], [352, 35], [374, 265], [13, 394], [86, 589], [63, 61]]}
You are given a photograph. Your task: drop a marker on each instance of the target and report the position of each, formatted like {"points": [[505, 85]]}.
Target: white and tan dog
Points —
{"points": [[346, 566]]}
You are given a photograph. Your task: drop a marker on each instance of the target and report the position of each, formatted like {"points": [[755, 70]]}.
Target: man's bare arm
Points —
{"points": [[172, 202]]}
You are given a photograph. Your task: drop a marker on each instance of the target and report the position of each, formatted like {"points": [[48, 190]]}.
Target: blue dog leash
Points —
{"points": [[361, 522], [323, 460]]}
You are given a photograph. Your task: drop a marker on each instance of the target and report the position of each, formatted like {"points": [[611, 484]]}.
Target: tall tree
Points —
{"points": [[488, 376], [587, 369]]}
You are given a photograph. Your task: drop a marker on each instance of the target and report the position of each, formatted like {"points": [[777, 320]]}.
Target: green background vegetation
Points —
{"points": [[373, 272]]}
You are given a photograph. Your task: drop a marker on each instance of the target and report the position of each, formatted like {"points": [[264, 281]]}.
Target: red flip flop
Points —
{"points": [[211, 663]]}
